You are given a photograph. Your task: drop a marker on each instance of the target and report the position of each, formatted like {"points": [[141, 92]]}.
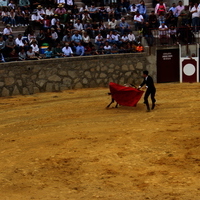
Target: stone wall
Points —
{"points": [[49, 75]]}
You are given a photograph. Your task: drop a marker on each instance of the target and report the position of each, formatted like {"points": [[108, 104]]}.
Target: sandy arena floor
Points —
{"points": [[67, 146]]}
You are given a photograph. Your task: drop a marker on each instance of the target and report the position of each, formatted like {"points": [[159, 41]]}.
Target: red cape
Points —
{"points": [[125, 96]]}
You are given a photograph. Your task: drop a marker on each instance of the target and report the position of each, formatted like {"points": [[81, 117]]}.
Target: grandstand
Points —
{"points": [[163, 28]]}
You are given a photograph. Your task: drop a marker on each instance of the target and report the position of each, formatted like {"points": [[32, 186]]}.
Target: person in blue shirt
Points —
{"points": [[80, 50], [76, 38], [141, 8], [48, 53]]}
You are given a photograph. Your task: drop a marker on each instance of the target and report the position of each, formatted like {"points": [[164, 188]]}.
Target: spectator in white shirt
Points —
{"points": [[195, 11], [78, 26], [35, 47], [138, 20], [67, 51], [131, 37]]}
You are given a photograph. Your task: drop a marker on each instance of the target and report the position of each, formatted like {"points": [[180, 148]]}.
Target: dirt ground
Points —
{"points": [[67, 146]]}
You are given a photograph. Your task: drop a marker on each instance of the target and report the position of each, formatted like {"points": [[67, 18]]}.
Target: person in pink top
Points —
{"points": [[177, 12], [61, 12]]}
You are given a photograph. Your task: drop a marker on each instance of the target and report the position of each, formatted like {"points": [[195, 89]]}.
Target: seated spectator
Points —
{"points": [[12, 5], [40, 11], [2, 44], [118, 12], [86, 17], [124, 38], [41, 37], [31, 36], [22, 54], [111, 12], [19, 42], [153, 21], [49, 11], [88, 28], [13, 56], [78, 26], [48, 53], [131, 37], [57, 51], [80, 50], [76, 38], [161, 18], [59, 29], [46, 22], [7, 31], [114, 49], [139, 48], [24, 4], [110, 37], [26, 17], [67, 51], [124, 26], [36, 20], [12, 18], [112, 25], [19, 17], [138, 21], [54, 20], [88, 50], [117, 38], [86, 39], [9, 45], [75, 12], [99, 40], [107, 48], [54, 37], [31, 55], [103, 15], [163, 34], [172, 33], [102, 28], [94, 13], [5, 15], [69, 4], [95, 28], [35, 47], [66, 38]]}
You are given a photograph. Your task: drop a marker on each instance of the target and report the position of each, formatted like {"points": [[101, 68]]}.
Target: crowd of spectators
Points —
{"points": [[71, 31]]}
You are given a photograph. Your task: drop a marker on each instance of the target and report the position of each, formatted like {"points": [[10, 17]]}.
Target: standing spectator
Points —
{"points": [[160, 8], [172, 33], [161, 18], [170, 19], [138, 21], [147, 33], [195, 11], [141, 8], [172, 8], [185, 15], [177, 12], [153, 21], [67, 51]]}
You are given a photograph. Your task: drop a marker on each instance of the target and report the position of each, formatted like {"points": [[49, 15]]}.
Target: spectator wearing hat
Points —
{"points": [[67, 51], [7, 31], [61, 12], [40, 11], [54, 20], [36, 19]]}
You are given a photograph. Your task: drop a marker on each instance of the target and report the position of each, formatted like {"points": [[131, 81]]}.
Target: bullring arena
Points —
{"points": [[67, 146]]}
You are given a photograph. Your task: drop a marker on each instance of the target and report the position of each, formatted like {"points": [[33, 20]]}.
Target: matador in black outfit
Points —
{"points": [[151, 90]]}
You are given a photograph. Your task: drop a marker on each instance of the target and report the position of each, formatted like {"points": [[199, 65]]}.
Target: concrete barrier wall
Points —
{"points": [[50, 75]]}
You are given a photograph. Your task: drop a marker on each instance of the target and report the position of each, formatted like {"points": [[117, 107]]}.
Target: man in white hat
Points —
{"points": [[40, 11]]}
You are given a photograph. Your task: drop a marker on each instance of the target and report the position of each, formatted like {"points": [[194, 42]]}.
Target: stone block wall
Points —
{"points": [[50, 75]]}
